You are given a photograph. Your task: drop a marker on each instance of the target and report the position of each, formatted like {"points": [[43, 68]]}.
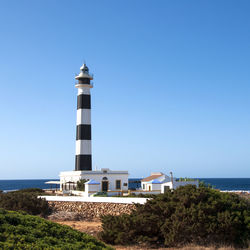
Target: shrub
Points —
{"points": [[185, 179], [22, 231], [101, 194], [31, 190], [203, 184], [146, 195], [80, 185], [25, 201], [139, 195], [187, 215]]}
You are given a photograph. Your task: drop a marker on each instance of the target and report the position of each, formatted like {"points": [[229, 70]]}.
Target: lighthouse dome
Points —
{"points": [[84, 73], [84, 68]]}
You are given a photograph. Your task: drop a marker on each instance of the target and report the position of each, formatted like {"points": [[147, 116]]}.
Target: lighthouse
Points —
{"points": [[104, 179], [83, 158]]}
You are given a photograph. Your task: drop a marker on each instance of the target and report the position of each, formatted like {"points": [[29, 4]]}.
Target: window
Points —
{"points": [[118, 184], [143, 186], [125, 184]]}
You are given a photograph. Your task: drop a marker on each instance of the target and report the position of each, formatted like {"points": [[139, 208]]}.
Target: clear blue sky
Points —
{"points": [[171, 89]]}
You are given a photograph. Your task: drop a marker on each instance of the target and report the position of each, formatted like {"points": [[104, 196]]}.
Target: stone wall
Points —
{"points": [[86, 210]]}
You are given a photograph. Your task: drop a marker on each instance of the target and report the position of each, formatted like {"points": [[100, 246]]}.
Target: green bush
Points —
{"points": [[22, 231], [101, 194], [80, 185], [187, 215], [30, 190], [185, 179], [146, 195], [25, 201], [139, 195], [203, 184]]}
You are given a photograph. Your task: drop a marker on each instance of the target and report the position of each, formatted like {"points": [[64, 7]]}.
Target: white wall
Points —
{"points": [[127, 200], [152, 187], [92, 188], [155, 187]]}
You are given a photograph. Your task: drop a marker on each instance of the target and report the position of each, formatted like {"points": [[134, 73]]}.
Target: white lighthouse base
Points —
{"points": [[104, 180]]}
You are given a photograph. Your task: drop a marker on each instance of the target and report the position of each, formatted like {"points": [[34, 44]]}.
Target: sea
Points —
{"points": [[224, 184]]}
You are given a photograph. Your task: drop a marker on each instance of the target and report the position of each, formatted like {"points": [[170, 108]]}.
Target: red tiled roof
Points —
{"points": [[151, 177]]}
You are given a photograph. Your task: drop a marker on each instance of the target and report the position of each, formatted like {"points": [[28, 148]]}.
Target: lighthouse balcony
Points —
{"points": [[78, 84], [83, 75]]}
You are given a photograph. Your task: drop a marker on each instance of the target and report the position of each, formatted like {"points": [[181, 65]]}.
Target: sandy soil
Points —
{"points": [[89, 227]]}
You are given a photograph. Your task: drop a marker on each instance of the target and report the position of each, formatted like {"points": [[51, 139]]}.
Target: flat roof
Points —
{"points": [[52, 182]]}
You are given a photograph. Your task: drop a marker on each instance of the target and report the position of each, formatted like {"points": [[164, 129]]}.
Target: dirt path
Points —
{"points": [[89, 227]]}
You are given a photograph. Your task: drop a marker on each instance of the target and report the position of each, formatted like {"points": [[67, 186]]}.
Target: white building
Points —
{"points": [[154, 181], [104, 180], [158, 182]]}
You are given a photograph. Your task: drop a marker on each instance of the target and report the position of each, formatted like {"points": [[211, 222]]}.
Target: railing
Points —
{"points": [[91, 83]]}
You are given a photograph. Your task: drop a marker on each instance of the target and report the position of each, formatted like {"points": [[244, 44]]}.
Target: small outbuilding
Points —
{"points": [[154, 181], [159, 182]]}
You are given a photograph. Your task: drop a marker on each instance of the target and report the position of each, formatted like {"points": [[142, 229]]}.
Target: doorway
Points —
{"points": [[105, 186]]}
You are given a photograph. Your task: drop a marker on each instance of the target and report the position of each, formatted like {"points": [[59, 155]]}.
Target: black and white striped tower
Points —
{"points": [[83, 159]]}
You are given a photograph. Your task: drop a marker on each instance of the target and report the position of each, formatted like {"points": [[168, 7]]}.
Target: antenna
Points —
{"points": [[172, 179]]}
